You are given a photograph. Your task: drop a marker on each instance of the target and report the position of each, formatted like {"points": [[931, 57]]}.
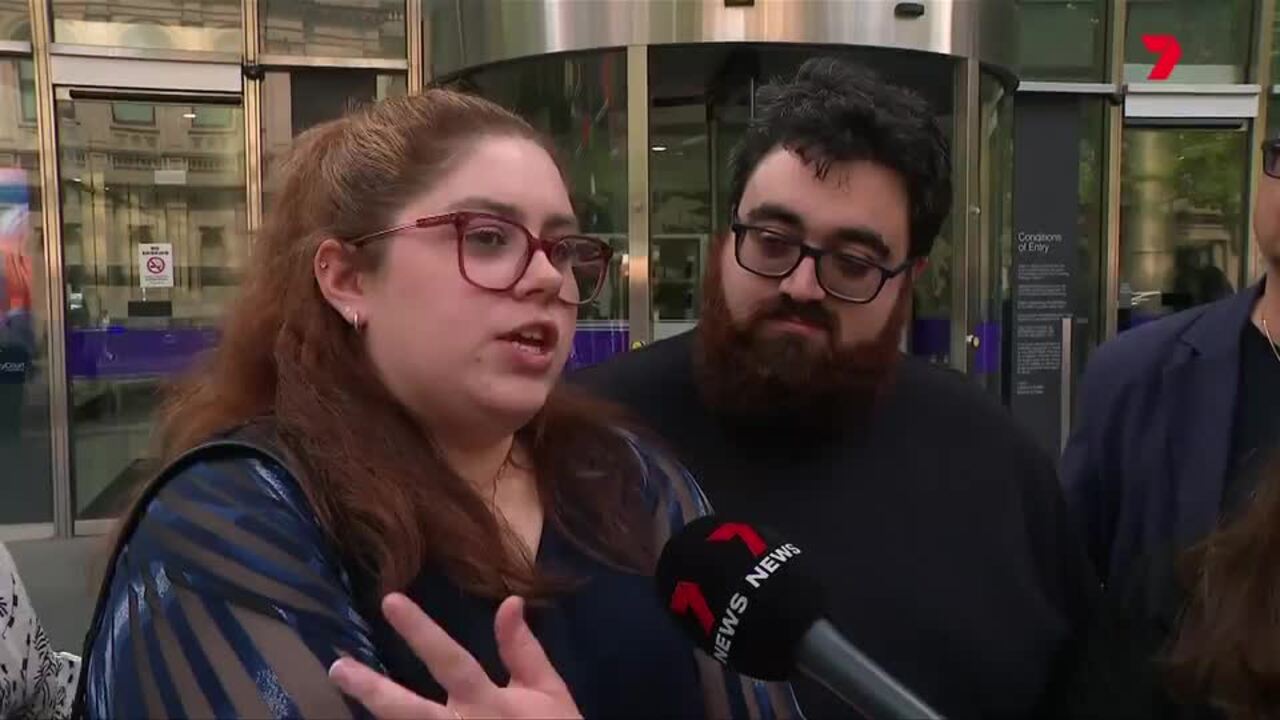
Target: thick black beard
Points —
{"points": [[783, 385]]}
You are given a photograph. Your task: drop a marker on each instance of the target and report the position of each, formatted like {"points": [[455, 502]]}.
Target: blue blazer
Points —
{"points": [[1145, 467]]}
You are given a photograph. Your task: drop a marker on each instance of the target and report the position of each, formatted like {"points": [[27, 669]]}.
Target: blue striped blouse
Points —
{"points": [[228, 601]]}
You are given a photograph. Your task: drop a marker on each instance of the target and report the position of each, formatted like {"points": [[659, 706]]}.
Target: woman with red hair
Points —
{"points": [[382, 426]]}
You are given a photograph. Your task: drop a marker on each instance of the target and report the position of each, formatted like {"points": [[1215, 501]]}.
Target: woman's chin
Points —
{"points": [[515, 401]]}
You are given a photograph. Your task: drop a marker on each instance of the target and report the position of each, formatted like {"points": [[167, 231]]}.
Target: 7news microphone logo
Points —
{"points": [[688, 598]]}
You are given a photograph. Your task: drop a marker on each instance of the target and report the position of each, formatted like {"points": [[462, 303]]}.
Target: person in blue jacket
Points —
{"points": [[1177, 418]]}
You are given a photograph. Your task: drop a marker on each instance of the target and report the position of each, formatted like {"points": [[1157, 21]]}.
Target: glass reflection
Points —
{"points": [[1183, 219], [1273, 100], [1214, 36], [14, 24], [1273, 116], [296, 99], [1275, 49], [1088, 329], [154, 240], [680, 220], [25, 483], [1063, 40], [345, 28], [199, 25], [990, 311]]}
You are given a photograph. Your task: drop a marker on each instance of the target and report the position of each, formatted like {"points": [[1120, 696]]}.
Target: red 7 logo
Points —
{"points": [[1170, 52], [688, 598]]}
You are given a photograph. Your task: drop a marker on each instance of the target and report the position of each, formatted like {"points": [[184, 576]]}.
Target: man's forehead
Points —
{"points": [[850, 194]]}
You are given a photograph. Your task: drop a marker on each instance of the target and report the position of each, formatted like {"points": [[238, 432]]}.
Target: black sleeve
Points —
{"points": [[1066, 574], [1117, 672], [1108, 668], [606, 380]]}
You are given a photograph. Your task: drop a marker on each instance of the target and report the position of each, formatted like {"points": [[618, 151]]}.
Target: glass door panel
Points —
{"points": [[681, 220], [297, 99], [1213, 36], [25, 480], [154, 234], [1183, 218]]}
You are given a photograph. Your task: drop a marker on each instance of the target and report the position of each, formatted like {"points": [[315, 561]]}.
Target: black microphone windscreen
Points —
{"points": [[742, 594]]}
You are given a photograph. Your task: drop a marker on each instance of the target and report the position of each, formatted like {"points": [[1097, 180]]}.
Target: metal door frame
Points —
{"points": [[147, 95]]}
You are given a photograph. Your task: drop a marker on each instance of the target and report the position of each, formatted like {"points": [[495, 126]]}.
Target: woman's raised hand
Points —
{"points": [[535, 690]]}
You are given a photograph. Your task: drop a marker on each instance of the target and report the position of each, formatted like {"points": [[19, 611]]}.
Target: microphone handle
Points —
{"points": [[827, 657]]}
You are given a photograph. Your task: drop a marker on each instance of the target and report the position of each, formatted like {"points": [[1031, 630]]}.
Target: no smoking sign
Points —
{"points": [[155, 265]]}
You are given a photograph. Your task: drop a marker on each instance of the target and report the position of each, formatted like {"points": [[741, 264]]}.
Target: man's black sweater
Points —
{"points": [[940, 527]]}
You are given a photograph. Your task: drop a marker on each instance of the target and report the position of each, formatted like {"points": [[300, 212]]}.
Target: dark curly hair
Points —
{"points": [[833, 111]]}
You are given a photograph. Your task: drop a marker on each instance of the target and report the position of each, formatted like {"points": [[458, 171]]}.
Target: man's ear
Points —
{"points": [[341, 281]]}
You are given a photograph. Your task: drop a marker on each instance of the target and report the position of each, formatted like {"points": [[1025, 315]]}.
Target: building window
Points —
{"points": [[1063, 40], [1184, 226], [336, 28], [127, 113], [191, 25], [27, 90], [214, 117], [1215, 36], [141, 234], [211, 238]]}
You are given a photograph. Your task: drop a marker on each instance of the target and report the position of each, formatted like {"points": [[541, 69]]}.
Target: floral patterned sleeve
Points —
{"points": [[35, 681]]}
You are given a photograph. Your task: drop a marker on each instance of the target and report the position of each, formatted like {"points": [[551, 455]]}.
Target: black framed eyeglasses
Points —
{"points": [[1271, 158], [769, 253], [494, 253]]}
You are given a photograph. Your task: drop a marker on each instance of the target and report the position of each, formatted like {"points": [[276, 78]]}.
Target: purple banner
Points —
{"points": [[986, 360], [122, 352], [595, 344]]}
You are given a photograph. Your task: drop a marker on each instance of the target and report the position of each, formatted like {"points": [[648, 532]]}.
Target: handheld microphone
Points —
{"points": [[748, 600]]}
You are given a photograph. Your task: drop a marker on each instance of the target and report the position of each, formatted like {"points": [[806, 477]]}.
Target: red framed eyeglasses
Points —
{"points": [[494, 253]]}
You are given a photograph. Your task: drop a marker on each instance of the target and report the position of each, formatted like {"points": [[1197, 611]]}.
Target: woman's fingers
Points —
{"points": [[520, 650], [536, 689], [449, 663], [382, 697]]}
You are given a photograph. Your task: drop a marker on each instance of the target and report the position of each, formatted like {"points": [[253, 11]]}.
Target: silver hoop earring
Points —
{"points": [[351, 317]]}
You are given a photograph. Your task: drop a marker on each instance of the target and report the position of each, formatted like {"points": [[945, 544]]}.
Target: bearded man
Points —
{"points": [[939, 526]]}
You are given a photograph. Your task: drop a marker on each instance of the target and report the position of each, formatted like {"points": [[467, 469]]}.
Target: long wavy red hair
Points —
{"points": [[379, 488]]}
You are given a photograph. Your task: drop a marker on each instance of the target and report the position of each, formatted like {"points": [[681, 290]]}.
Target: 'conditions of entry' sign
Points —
{"points": [[155, 265]]}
